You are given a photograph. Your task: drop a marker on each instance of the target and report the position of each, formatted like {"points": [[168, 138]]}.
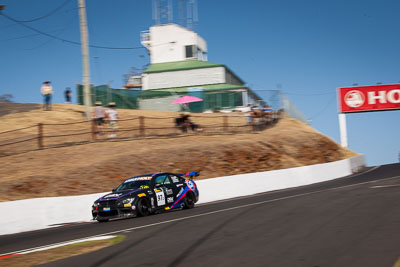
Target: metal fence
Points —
{"points": [[146, 99], [42, 136]]}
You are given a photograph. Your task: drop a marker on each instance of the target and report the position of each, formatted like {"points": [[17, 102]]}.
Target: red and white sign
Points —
{"points": [[369, 98]]}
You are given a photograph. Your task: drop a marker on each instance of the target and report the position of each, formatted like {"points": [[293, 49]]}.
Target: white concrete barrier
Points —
{"points": [[39, 213], [252, 183]]}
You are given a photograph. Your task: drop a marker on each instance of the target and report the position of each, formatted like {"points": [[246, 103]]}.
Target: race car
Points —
{"points": [[147, 194]]}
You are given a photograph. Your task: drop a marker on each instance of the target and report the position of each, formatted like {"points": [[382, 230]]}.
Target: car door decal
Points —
{"points": [[160, 197], [169, 191]]}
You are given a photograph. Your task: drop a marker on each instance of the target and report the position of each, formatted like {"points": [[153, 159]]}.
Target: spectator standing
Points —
{"points": [[248, 114], [112, 118], [257, 118], [68, 95], [98, 117], [46, 90]]}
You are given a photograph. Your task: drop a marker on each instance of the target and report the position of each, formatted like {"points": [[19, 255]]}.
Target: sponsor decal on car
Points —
{"points": [[169, 192], [160, 198], [112, 195], [141, 195], [175, 179], [127, 205], [143, 178], [106, 209], [191, 185], [180, 192], [180, 197], [170, 199]]}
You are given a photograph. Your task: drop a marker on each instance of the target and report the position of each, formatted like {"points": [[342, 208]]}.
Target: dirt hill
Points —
{"points": [[101, 166]]}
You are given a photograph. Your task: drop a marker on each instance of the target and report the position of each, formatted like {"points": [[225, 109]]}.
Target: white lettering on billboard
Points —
{"points": [[381, 97], [391, 96]]}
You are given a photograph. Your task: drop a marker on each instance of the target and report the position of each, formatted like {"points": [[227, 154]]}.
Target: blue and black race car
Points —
{"points": [[147, 194]]}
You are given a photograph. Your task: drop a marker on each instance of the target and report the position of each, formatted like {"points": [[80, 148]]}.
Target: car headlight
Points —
{"points": [[95, 206], [128, 200]]}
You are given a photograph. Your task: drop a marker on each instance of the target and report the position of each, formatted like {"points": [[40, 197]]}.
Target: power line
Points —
{"points": [[323, 109], [68, 41], [311, 94], [39, 46], [20, 37], [45, 16], [27, 36], [8, 25]]}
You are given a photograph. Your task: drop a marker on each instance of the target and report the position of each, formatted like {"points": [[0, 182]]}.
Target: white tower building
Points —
{"points": [[172, 42]]}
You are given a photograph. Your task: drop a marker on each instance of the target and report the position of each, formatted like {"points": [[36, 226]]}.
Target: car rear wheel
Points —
{"points": [[189, 201], [143, 207]]}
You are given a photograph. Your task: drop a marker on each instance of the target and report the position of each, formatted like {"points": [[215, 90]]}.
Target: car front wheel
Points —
{"points": [[143, 207]]}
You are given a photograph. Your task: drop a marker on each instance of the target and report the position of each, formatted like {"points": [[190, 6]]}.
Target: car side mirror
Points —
{"points": [[114, 190], [157, 185]]}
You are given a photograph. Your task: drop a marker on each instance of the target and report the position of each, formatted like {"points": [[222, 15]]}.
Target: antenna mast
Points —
{"points": [[192, 17], [162, 11]]}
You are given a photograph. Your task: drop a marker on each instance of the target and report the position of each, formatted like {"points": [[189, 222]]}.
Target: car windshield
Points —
{"points": [[134, 183]]}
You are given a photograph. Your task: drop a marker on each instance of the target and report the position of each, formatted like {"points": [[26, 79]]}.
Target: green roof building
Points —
{"points": [[178, 67]]}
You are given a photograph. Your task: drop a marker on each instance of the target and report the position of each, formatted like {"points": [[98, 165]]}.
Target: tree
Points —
{"points": [[6, 98]]}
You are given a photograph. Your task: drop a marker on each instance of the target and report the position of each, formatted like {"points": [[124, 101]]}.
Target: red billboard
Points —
{"points": [[369, 98]]}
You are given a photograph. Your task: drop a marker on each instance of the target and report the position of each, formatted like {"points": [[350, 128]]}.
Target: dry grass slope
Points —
{"points": [[100, 166]]}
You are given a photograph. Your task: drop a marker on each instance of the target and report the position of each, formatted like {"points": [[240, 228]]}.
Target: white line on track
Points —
{"points": [[205, 214], [385, 186], [69, 243]]}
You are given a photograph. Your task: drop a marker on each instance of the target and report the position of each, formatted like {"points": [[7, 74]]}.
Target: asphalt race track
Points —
{"points": [[352, 221]]}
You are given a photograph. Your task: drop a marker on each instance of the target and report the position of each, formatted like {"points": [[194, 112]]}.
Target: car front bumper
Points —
{"points": [[101, 212]]}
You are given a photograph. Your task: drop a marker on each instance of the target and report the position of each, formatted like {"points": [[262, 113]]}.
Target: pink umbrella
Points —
{"points": [[186, 99]]}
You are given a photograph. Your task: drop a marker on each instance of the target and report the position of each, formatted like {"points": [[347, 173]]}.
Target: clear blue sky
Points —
{"points": [[309, 47]]}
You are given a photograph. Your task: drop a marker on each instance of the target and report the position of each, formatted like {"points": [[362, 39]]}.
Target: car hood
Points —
{"points": [[118, 195]]}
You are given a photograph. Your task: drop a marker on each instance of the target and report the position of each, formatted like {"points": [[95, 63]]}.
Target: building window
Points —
{"points": [[189, 51]]}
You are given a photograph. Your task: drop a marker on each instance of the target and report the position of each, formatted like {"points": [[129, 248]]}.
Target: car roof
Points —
{"points": [[150, 174]]}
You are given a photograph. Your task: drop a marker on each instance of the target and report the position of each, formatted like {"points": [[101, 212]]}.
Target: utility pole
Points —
{"points": [[85, 57]]}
